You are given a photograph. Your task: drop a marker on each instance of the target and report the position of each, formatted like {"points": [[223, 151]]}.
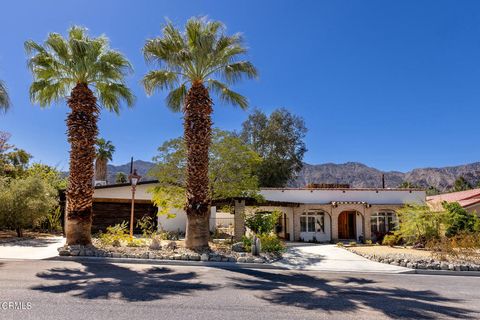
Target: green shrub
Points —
{"points": [[117, 233], [271, 243], [25, 202], [262, 222], [340, 244], [419, 224], [135, 243], [368, 242], [353, 244], [147, 225], [390, 240], [459, 220], [247, 243]]}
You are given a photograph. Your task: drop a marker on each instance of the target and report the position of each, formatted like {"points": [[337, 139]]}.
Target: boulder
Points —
{"points": [[238, 247], [204, 257]]}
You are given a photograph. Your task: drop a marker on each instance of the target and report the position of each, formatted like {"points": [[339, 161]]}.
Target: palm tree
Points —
{"points": [[90, 76], [4, 99], [190, 66], [105, 150]]}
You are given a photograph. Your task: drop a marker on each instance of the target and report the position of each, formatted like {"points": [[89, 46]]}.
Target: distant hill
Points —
{"points": [[142, 169], [359, 175], [356, 174]]}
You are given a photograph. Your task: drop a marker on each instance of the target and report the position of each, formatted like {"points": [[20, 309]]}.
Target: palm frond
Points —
{"points": [[159, 80], [61, 63], [4, 98], [227, 95], [176, 98]]}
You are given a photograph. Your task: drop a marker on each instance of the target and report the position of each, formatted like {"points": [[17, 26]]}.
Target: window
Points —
{"points": [[312, 221], [383, 222]]}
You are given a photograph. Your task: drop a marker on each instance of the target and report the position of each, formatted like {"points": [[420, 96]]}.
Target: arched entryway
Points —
{"points": [[350, 225]]}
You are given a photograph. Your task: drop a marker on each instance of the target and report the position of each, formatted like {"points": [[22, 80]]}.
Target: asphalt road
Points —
{"points": [[91, 290]]}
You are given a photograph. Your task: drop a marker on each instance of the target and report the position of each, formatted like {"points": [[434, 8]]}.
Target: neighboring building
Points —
{"points": [[308, 214], [469, 200]]}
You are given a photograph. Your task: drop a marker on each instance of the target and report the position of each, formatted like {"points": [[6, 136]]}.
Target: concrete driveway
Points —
{"points": [[38, 248], [329, 257]]}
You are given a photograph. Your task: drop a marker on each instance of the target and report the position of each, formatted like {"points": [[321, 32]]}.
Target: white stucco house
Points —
{"points": [[308, 214]]}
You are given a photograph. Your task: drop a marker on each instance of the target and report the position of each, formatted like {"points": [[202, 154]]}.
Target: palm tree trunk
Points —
{"points": [[101, 169], [82, 134], [197, 134]]}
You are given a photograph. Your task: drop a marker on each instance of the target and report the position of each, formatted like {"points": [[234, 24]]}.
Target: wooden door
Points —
{"points": [[346, 225]]}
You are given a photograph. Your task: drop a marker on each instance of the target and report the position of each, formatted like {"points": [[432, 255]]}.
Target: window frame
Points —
{"points": [[319, 220]]}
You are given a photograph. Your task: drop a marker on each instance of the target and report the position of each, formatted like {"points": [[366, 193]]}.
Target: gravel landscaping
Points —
{"points": [[166, 250], [411, 258]]}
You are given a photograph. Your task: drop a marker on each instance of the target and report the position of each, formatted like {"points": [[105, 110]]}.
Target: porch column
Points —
{"points": [[335, 213], [368, 223], [239, 220]]}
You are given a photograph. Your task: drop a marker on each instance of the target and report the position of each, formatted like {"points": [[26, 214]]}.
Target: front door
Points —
{"points": [[346, 225]]}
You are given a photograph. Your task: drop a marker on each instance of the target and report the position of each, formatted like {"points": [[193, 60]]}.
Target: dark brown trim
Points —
{"points": [[116, 200]]}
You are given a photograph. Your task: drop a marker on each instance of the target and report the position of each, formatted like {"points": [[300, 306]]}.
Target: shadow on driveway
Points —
{"points": [[347, 294], [104, 281], [36, 242]]}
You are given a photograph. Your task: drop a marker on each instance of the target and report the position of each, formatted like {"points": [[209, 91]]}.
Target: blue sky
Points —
{"points": [[392, 84]]}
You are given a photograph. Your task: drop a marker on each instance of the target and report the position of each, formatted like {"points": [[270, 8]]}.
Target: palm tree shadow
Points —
{"points": [[347, 294], [106, 281]]}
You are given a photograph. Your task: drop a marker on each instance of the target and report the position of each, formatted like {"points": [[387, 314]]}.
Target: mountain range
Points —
{"points": [[357, 175]]}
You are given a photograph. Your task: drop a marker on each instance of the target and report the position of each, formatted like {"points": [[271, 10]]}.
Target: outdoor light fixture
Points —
{"points": [[134, 178]]}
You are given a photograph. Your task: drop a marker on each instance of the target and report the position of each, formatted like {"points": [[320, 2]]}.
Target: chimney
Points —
{"points": [[383, 180]]}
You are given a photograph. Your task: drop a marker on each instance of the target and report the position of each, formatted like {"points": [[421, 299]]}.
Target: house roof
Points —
{"points": [[464, 198]]}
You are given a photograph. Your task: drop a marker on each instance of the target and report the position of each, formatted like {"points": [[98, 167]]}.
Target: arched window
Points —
{"points": [[383, 222], [312, 221]]}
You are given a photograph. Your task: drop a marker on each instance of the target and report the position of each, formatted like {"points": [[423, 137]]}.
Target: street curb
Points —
{"points": [[171, 262], [234, 265], [447, 273]]}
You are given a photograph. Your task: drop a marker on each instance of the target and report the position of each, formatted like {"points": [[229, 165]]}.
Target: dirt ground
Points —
{"points": [[386, 250]]}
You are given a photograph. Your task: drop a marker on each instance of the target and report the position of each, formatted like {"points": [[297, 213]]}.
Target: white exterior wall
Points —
{"points": [[125, 192], [320, 196]]}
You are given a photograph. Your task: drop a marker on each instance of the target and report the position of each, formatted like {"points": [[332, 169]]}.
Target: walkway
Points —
{"points": [[38, 248], [329, 257]]}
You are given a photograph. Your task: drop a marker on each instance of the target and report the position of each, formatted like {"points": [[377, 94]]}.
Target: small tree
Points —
{"points": [[262, 222], [459, 219], [26, 202], [121, 177], [461, 184], [419, 224]]}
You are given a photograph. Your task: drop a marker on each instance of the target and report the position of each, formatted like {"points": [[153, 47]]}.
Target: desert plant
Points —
{"points": [[459, 220], [271, 243], [53, 220], [340, 244], [463, 246], [390, 240], [192, 63], [70, 69], [419, 224], [115, 234], [147, 225], [104, 153], [25, 202], [262, 222], [4, 98], [352, 244], [368, 242]]}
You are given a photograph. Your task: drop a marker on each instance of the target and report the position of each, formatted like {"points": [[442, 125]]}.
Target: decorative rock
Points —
{"points": [[116, 243], [177, 257], [250, 259], [116, 255], [171, 245], [74, 252], [155, 244], [194, 257], [63, 252], [204, 257], [242, 260], [258, 260], [232, 259], [238, 247]]}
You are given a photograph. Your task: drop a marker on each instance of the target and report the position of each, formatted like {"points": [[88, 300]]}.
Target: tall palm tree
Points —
{"points": [[4, 99], [191, 65], [105, 150], [90, 76]]}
